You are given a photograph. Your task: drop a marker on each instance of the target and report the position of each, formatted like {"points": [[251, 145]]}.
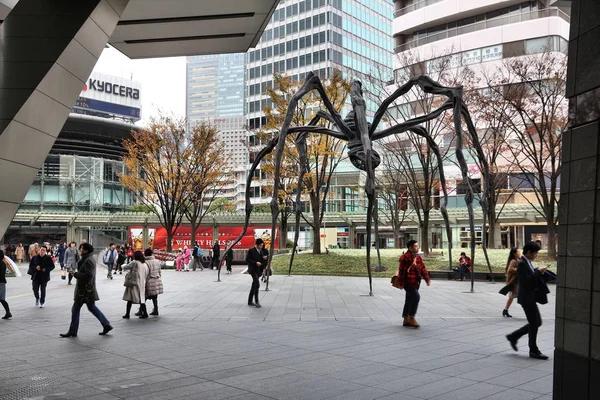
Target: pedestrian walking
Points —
{"points": [[187, 255], [20, 253], [512, 281], [110, 259], [71, 258], [34, 249], [179, 260], [129, 253], [135, 284], [216, 254], [61, 255], [121, 258], [529, 279], [255, 260], [197, 255], [411, 270], [39, 269], [229, 257], [85, 292], [3, 268], [154, 286]]}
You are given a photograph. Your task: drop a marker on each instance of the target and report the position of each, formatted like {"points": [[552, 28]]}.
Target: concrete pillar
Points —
{"points": [[351, 236], [145, 236], [47, 51], [577, 335], [70, 233]]}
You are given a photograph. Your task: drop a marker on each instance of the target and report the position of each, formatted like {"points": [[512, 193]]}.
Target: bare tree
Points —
{"points": [[528, 93], [393, 193]]}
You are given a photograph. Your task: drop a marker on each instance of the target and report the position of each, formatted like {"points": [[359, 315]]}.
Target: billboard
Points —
{"points": [[157, 236], [111, 95]]}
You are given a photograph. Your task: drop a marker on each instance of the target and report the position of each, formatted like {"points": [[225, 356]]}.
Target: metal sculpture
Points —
{"points": [[360, 135]]}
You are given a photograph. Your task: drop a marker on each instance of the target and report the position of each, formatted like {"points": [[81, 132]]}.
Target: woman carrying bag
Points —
{"points": [[71, 259], [135, 284]]}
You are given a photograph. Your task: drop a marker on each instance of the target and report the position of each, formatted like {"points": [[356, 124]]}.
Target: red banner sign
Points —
{"points": [[157, 237]]}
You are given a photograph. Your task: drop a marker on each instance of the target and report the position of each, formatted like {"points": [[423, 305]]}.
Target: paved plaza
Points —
{"points": [[314, 338]]}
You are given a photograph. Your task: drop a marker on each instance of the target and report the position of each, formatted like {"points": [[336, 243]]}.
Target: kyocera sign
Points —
{"points": [[113, 88]]}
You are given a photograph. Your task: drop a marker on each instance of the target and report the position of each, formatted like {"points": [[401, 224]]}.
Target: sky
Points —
{"points": [[162, 79]]}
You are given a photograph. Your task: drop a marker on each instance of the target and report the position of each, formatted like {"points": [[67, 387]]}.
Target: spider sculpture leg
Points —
{"points": [[266, 150], [302, 156], [360, 120], [486, 185]]}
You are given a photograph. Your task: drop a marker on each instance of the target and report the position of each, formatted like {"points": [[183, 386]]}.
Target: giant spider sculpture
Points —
{"points": [[360, 135]]}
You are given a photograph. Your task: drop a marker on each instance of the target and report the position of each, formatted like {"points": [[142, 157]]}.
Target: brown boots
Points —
{"points": [[411, 322]]}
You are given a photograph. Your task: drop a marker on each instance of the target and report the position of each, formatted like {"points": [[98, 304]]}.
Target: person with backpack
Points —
{"points": [[197, 255], [110, 259]]}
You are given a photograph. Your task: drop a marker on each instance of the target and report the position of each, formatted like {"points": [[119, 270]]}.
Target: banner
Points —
{"points": [[204, 236]]}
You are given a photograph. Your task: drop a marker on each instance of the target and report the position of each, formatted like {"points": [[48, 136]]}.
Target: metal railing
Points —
{"points": [[415, 6], [477, 26]]}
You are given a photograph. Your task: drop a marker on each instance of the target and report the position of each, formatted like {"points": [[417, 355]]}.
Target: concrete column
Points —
{"points": [[47, 51], [145, 235], [70, 233], [351, 236], [577, 335]]}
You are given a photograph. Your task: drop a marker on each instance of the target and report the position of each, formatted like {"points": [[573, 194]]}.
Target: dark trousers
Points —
{"points": [[463, 269], [197, 263], [39, 290], [119, 267], [255, 287], [76, 312], [228, 263], [534, 321], [411, 303], [215, 261]]}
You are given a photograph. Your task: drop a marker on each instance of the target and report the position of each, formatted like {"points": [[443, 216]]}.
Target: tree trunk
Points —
{"points": [[193, 234], [316, 234], [425, 233], [170, 234], [283, 231], [396, 239], [551, 241], [494, 235]]}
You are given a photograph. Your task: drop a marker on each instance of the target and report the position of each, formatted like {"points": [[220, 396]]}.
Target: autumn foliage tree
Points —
{"points": [[162, 165], [324, 152], [210, 177]]}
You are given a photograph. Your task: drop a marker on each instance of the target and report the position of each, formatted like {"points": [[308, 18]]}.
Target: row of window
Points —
{"points": [[294, 62], [290, 28], [295, 44], [301, 7]]}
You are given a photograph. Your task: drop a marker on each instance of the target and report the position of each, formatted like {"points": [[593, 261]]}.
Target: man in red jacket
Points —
{"points": [[410, 271]]}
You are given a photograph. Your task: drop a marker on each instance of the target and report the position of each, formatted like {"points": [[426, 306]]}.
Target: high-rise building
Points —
{"points": [[215, 86], [323, 36]]}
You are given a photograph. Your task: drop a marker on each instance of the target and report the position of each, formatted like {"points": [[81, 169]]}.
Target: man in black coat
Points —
{"points": [[529, 279], [85, 292], [39, 269], [255, 259], [216, 250]]}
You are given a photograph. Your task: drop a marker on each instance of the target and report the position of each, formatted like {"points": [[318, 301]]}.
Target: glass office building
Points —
{"points": [[323, 36], [215, 86]]}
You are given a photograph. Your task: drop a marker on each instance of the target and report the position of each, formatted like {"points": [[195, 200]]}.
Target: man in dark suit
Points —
{"points": [[528, 282], [255, 260]]}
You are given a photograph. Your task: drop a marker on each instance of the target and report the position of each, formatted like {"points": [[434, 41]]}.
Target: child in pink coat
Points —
{"points": [[179, 260], [187, 255]]}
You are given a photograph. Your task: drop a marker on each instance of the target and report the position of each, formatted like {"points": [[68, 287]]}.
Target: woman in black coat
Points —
{"points": [[85, 292]]}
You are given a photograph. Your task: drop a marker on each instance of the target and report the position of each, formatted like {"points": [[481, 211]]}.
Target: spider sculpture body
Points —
{"points": [[360, 134]]}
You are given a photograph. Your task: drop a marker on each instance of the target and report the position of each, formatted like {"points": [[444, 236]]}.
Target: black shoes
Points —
{"points": [[257, 305], [68, 334], [139, 313], [506, 314], [106, 329], [7, 316], [513, 342], [538, 355], [154, 312], [251, 303], [126, 316]]}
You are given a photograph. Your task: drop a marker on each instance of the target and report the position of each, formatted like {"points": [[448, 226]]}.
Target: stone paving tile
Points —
{"points": [[315, 337]]}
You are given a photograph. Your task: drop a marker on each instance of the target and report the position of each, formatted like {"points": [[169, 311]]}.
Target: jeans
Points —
{"points": [[411, 303], [39, 290], [534, 321], [255, 287], [463, 270], [76, 311], [196, 263]]}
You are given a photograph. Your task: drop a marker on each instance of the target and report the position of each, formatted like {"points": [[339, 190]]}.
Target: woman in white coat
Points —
{"points": [[135, 284]]}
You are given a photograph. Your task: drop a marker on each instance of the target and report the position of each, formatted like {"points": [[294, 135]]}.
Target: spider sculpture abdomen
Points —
{"points": [[356, 153]]}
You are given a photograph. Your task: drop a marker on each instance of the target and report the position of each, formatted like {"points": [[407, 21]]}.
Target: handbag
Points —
{"points": [[63, 274], [396, 280], [131, 279]]}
